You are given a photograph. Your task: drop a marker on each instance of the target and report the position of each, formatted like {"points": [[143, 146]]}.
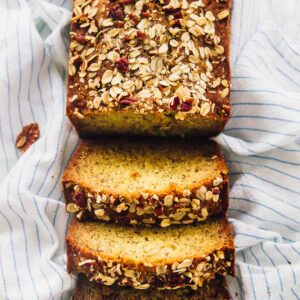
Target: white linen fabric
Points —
{"points": [[262, 144]]}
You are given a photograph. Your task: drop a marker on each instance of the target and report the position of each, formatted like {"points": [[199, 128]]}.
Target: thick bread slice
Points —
{"points": [[146, 181], [170, 257], [216, 289]]}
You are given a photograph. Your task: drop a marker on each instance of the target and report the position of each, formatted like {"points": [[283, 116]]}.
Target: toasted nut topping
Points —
{"points": [[179, 215], [201, 193], [185, 264], [72, 208], [208, 195], [225, 93], [142, 286], [161, 269], [186, 193], [86, 262], [107, 77], [217, 181], [100, 212], [168, 52], [145, 195], [165, 223], [215, 198], [221, 254], [129, 273], [196, 204], [204, 212], [223, 14], [168, 200]]}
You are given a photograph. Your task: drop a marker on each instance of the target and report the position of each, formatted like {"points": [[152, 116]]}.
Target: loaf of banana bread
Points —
{"points": [[215, 289], [146, 181], [166, 258], [149, 67]]}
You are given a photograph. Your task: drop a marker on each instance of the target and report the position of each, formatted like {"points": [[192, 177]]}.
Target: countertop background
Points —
{"points": [[262, 143]]}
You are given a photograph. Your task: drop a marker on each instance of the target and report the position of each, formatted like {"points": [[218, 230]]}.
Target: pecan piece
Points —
{"points": [[140, 35], [116, 12], [78, 62], [122, 65], [134, 18], [175, 103], [126, 102], [176, 23], [125, 2], [119, 24], [80, 38], [28, 136], [187, 105], [79, 199], [172, 11]]}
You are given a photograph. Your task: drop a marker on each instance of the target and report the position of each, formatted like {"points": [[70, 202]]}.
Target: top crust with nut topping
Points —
{"points": [[154, 67]]}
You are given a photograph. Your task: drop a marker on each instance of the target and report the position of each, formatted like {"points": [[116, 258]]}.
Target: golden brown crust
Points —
{"points": [[177, 112], [214, 290], [104, 268], [171, 205]]}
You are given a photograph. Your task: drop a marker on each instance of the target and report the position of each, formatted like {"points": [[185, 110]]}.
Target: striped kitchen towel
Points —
{"points": [[262, 143]]}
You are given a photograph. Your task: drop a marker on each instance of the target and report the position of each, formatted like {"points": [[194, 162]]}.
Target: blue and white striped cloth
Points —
{"points": [[262, 142]]}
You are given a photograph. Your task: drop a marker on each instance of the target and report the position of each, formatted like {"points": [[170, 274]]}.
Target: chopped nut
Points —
{"points": [[223, 14], [186, 193], [204, 212], [178, 216], [201, 193], [168, 200], [107, 77], [185, 264], [72, 208], [28, 136], [142, 286], [122, 65], [225, 93], [217, 181], [215, 198], [196, 204], [205, 109], [163, 49], [99, 212], [165, 223], [208, 195], [161, 270]]}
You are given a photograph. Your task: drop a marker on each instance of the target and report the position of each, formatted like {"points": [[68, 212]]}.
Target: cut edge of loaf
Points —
{"points": [[168, 274]]}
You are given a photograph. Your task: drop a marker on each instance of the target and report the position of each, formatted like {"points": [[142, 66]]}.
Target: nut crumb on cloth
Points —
{"points": [[29, 135]]}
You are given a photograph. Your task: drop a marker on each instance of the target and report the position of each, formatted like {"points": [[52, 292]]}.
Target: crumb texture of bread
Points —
{"points": [[147, 181], [149, 67], [167, 257], [86, 290]]}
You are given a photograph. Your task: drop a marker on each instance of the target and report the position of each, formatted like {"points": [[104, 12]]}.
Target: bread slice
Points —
{"points": [[216, 289], [146, 181], [166, 258], [149, 68]]}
